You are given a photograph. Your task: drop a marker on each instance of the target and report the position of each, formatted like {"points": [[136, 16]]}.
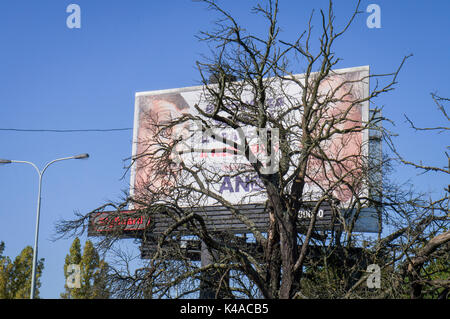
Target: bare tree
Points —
{"points": [[318, 135], [316, 157], [433, 242]]}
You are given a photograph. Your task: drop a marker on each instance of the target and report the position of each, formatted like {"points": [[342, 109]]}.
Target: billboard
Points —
{"points": [[224, 169]]}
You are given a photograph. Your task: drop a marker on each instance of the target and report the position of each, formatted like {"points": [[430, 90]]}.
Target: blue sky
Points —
{"points": [[53, 77]]}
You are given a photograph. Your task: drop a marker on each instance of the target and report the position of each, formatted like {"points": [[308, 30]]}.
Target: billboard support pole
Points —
{"points": [[207, 290], [211, 282]]}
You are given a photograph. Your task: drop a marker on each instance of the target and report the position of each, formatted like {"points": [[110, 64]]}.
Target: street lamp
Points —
{"points": [[40, 173]]}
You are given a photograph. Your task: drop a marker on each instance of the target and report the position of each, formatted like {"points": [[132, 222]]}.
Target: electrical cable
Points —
{"points": [[66, 130]]}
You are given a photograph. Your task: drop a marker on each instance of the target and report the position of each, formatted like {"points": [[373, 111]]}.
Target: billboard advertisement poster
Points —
{"points": [[214, 153]]}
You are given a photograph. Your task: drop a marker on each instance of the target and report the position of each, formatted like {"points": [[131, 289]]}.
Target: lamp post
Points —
{"points": [[40, 173]]}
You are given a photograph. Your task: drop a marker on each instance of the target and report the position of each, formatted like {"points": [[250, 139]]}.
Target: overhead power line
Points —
{"points": [[66, 130]]}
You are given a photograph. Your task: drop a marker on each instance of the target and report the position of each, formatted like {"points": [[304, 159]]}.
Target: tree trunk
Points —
{"points": [[288, 241], [418, 261]]}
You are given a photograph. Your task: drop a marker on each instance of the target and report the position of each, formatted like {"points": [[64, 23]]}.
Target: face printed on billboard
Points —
{"points": [[215, 156], [152, 135]]}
